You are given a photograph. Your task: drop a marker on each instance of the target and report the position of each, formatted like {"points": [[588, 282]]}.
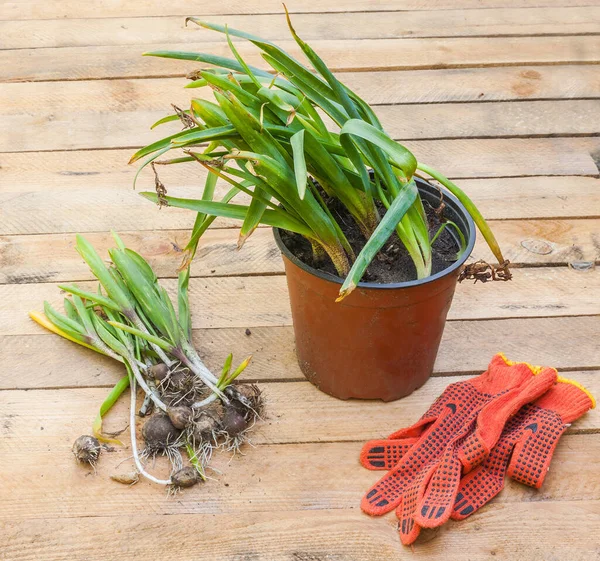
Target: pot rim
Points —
{"points": [[422, 186]]}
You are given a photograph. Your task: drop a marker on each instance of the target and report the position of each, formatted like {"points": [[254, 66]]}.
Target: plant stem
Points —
{"points": [[139, 324]]}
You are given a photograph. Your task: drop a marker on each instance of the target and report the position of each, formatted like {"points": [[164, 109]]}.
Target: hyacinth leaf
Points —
{"points": [[167, 119], [187, 136], [397, 210], [221, 382], [45, 322], [243, 365], [141, 280], [106, 406], [108, 338], [203, 221], [471, 208], [206, 58], [238, 212], [96, 298], [338, 89], [84, 314], [118, 240], [70, 310], [146, 336], [174, 327], [183, 303], [401, 156], [101, 272], [297, 142], [224, 84], [63, 322]]}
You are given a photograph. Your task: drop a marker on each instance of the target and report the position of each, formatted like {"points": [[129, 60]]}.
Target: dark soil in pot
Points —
{"points": [[393, 263]]}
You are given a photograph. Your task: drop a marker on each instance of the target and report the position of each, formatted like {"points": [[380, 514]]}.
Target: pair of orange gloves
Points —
{"points": [[454, 459]]}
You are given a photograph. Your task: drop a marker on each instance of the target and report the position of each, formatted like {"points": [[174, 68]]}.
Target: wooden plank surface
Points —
{"points": [[99, 97], [69, 130], [310, 484], [59, 9], [111, 203], [566, 343], [19, 34], [498, 532], [64, 413], [79, 63], [263, 300], [52, 257]]}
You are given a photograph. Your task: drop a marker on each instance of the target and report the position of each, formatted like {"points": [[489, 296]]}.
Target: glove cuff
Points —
{"points": [[568, 398], [503, 374]]}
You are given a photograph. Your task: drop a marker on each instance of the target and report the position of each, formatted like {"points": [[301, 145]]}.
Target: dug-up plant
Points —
{"points": [[131, 319], [294, 139]]}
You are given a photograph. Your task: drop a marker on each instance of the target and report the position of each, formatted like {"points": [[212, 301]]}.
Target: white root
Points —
{"points": [[134, 450]]}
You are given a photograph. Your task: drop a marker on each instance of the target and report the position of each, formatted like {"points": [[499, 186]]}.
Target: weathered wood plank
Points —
{"points": [[110, 204], [99, 182], [65, 413], [499, 531], [19, 34], [59, 9], [69, 130], [99, 97], [47, 361], [79, 63], [286, 477], [263, 301], [52, 257]]}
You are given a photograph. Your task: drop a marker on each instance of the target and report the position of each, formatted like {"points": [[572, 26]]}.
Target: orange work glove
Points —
{"points": [[525, 448], [423, 484]]}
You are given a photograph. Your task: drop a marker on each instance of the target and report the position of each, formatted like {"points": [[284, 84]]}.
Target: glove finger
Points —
{"points": [[385, 495], [408, 528], [435, 507], [493, 417], [385, 454], [476, 489]]}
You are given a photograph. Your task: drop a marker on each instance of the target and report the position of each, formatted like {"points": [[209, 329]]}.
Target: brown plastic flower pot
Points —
{"points": [[382, 340]]}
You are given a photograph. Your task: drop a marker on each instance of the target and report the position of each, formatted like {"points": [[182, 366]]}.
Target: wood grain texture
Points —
{"points": [[373, 25], [80, 63], [44, 360], [263, 301], [503, 532], [52, 257], [100, 97], [284, 477], [59, 9], [65, 413], [100, 182], [71, 130]]}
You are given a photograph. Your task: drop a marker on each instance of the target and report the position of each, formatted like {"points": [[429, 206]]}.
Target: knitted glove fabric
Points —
{"points": [[525, 448], [424, 482]]}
